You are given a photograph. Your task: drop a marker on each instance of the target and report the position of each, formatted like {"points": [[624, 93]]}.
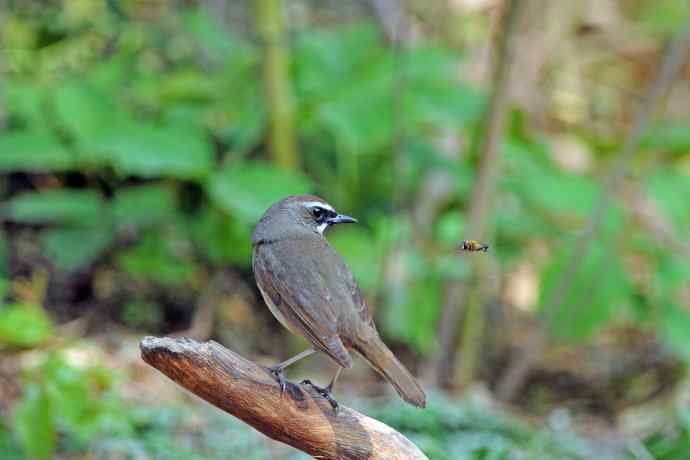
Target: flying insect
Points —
{"points": [[473, 246]]}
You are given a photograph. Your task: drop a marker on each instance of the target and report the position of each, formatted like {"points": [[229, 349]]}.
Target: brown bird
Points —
{"points": [[311, 291]]}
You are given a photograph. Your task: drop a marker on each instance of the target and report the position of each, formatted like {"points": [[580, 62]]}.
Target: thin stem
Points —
{"points": [[480, 209], [279, 100]]}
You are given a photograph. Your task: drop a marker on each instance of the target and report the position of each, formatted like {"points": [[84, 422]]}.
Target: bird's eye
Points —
{"points": [[318, 212]]}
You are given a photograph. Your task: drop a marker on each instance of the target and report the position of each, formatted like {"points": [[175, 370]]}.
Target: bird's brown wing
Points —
{"points": [[290, 274]]}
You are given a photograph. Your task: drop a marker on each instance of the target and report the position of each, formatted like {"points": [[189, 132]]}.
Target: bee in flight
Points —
{"points": [[473, 246]]}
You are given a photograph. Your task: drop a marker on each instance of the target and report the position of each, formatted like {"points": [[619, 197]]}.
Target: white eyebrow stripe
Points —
{"points": [[311, 204]]}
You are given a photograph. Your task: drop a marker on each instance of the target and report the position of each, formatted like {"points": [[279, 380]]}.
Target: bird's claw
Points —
{"points": [[325, 392], [277, 373]]}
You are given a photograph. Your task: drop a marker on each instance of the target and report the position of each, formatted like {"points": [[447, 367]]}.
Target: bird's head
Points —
{"points": [[295, 215]]}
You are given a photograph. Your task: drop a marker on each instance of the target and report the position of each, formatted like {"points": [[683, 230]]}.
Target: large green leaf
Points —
{"points": [[34, 425], [345, 82], [165, 259], [455, 106], [361, 252], [4, 254], [532, 176], [326, 60], [665, 17], [246, 190], [671, 189], [83, 207], [670, 136], [69, 392], [671, 276], [82, 110], [594, 292], [9, 447], [221, 240], [74, 247], [432, 92], [148, 150], [86, 114], [413, 303], [143, 205], [33, 151], [25, 99], [23, 325], [674, 326]]}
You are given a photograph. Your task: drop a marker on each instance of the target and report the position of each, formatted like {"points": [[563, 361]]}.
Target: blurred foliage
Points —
{"points": [[132, 141], [61, 402]]}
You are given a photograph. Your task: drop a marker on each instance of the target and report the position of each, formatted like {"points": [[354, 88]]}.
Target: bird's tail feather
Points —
{"points": [[377, 354]]}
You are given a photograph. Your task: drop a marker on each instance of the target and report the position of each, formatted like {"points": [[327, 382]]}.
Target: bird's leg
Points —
{"points": [[326, 392], [334, 379], [277, 370]]}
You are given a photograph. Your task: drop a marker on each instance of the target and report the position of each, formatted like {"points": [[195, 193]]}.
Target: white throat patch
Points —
{"points": [[322, 228]]}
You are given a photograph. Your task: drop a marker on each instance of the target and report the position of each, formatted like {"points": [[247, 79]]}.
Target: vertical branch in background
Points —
{"points": [[480, 210], [673, 60], [270, 22]]}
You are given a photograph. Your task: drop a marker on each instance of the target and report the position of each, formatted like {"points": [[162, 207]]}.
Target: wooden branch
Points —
{"points": [[300, 417]]}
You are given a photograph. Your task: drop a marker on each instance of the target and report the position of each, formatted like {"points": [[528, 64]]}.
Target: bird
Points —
{"points": [[308, 287]]}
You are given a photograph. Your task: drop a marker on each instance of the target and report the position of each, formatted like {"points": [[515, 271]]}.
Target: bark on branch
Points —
{"points": [[300, 417]]}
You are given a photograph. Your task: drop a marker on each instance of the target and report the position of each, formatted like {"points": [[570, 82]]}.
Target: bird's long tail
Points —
{"points": [[377, 354]]}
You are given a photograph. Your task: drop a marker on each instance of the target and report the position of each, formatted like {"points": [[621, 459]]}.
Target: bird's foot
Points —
{"points": [[325, 392], [277, 372]]}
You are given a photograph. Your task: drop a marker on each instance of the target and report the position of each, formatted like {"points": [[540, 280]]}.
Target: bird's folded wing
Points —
{"points": [[301, 294]]}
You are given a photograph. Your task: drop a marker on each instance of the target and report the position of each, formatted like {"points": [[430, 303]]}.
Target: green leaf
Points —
{"points": [[542, 188], [61, 206], [4, 255], [209, 32], [4, 289], [72, 248], [33, 151], [413, 304], [246, 190], [449, 229], [8, 446], [669, 136], [665, 17], [454, 107], [142, 314], [23, 325], [34, 426], [143, 205], [86, 114], [67, 388], [671, 189], [674, 326], [162, 258], [82, 110], [148, 150], [594, 293], [671, 274], [360, 251], [221, 239], [26, 100]]}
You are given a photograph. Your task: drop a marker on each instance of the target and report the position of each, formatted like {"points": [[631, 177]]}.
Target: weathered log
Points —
{"points": [[299, 417]]}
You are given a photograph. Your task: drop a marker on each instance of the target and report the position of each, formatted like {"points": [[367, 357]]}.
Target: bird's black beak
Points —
{"points": [[342, 219]]}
